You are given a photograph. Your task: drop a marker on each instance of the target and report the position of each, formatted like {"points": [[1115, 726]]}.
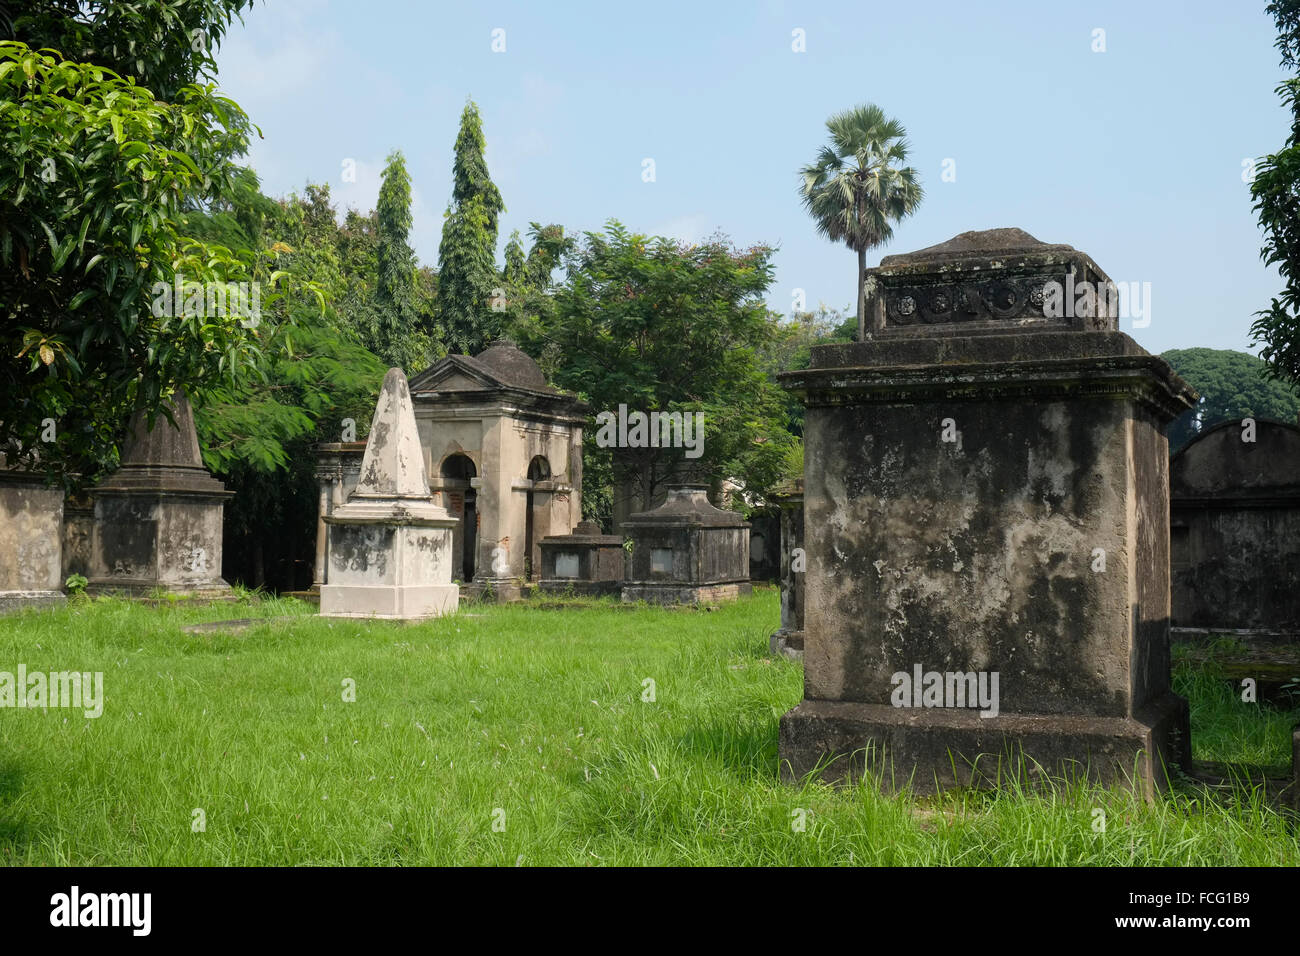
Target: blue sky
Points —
{"points": [[1133, 155]]}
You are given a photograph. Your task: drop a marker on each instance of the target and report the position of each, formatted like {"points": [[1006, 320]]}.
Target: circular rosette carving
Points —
{"points": [[902, 309], [1005, 299]]}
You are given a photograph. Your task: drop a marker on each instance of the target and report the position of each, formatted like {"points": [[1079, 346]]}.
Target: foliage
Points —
{"points": [[657, 325], [93, 183], [858, 186], [399, 338], [1276, 194], [1232, 385], [467, 253], [164, 45]]}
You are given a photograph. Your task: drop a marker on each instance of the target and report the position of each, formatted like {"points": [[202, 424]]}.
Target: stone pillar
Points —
{"points": [[390, 543], [788, 639], [987, 507], [158, 518], [318, 568]]}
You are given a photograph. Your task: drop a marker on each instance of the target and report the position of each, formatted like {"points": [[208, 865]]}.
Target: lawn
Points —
{"points": [[520, 735]]}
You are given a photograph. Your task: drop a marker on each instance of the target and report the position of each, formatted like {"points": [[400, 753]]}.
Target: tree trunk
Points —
{"points": [[862, 295]]}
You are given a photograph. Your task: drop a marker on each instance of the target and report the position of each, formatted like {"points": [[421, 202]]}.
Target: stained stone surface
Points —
{"points": [[504, 454], [586, 561], [788, 639], [158, 518], [31, 518], [992, 281], [960, 491], [1235, 513], [390, 543], [686, 551]]}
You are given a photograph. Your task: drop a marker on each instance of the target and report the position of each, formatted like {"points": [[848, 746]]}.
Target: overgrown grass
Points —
{"points": [[532, 718]]}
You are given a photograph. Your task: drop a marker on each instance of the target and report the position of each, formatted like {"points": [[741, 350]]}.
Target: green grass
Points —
{"points": [[536, 713]]}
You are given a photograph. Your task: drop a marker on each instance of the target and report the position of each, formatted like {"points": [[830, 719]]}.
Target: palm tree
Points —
{"points": [[858, 186]]}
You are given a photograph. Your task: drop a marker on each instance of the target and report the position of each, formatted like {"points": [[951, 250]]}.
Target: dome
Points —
{"points": [[511, 366]]}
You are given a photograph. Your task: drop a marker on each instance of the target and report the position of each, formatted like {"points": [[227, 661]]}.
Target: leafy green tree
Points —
{"points": [[1233, 385], [467, 275], [164, 45], [1276, 193], [657, 325], [93, 191], [399, 339], [858, 186], [513, 274]]}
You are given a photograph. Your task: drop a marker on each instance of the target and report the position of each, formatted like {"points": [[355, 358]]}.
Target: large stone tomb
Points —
{"points": [[987, 530], [390, 542], [158, 517], [687, 552]]}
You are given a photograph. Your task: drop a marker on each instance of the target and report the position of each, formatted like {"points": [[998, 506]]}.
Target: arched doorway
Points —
{"points": [[539, 469], [457, 470]]}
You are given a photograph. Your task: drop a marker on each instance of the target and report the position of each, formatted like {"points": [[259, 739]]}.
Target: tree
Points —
{"points": [[858, 186], [1232, 385], [658, 325], [164, 45], [96, 174], [1276, 193], [467, 276], [399, 339]]}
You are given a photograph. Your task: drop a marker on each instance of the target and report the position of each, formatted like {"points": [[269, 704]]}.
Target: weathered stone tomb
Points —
{"points": [[986, 527], [1235, 528], [686, 551], [504, 453], [390, 542], [31, 520], [158, 517], [584, 562]]}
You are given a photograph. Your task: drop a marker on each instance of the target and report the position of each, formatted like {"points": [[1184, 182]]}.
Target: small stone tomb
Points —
{"points": [[686, 551], [585, 562]]}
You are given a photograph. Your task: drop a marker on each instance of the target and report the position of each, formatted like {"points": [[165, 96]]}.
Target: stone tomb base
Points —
{"points": [[787, 643], [367, 561], [937, 749], [685, 593]]}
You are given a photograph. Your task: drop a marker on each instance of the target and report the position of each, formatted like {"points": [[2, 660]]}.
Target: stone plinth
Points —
{"points": [[158, 517], [992, 507], [585, 562], [788, 639], [1235, 534], [687, 552], [31, 519], [390, 542]]}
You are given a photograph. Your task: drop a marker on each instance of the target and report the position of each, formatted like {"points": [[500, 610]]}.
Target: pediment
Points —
{"points": [[456, 373]]}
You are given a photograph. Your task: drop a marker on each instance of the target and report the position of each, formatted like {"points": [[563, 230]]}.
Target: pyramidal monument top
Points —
{"points": [[394, 483]]}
